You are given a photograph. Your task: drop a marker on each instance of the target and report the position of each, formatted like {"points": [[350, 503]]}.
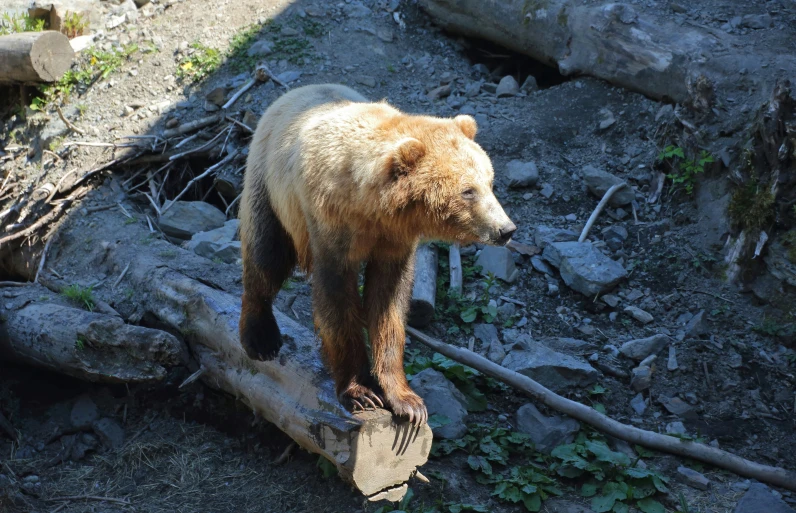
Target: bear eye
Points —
{"points": [[469, 194]]}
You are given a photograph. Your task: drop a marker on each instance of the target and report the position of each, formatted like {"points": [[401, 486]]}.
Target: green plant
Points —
{"points": [[169, 253], [239, 46], [201, 63], [14, 24], [608, 477], [83, 296], [80, 343], [74, 24], [328, 469], [82, 108], [684, 170], [751, 207]]}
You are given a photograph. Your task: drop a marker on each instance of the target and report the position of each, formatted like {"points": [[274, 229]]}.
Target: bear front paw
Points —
{"points": [[260, 337], [408, 404], [360, 398]]}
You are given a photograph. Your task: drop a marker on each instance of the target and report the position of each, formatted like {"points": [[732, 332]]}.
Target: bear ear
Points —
{"points": [[467, 125], [407, 154]]}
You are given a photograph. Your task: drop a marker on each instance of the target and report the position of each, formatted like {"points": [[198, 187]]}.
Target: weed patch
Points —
{"points": [[83, 296]]}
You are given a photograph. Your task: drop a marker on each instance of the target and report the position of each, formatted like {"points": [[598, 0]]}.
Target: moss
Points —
{"points": [[751, 207]]}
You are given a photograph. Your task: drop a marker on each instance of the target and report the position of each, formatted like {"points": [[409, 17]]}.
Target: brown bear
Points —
{"points": [[334, 181]]}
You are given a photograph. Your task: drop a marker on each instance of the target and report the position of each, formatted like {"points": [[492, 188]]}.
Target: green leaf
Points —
{"points": [[570, 472], [604, 453], [588, 489], [469, 315], [620, 507], [650, 506], [644, 452], [532, 502], [597, 389], [476, 400], [603, 503], [659, 481], [599, 407], [529, 489], [480, 463]]}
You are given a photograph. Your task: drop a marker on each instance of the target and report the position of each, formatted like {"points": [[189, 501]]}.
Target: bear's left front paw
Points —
{"points": [[408, 404]]}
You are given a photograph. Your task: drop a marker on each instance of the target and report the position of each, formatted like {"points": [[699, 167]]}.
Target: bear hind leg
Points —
{"points": [[268, 260]]}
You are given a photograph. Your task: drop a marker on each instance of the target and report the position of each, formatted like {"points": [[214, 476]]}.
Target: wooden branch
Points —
{"points": [[193, 125], [455, 264], [710, 455], [424, 290], [50, 216], [34, 57], [600, 206], [52, 334]]}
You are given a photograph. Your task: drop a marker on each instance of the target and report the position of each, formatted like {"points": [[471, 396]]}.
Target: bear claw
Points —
{"points": [[355, 395]]}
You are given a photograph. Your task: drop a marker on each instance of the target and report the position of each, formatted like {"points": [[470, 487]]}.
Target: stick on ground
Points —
{"points": [[710, 455], [600, 206]]}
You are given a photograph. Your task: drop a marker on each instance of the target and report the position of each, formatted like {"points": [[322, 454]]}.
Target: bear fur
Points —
{"points": [[334, 181]]}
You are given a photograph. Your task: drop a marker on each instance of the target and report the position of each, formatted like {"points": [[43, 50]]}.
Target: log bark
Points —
{"points": [[424, 290], [34, 57], [722, 459], [614, 42], [39, 329]]}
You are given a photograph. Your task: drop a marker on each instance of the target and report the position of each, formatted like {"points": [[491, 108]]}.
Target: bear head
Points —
{"points": [[440, 177]]}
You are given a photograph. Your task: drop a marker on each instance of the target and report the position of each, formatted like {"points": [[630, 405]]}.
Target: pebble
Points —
{"points": [[671, 364], [365, 80], [641, 378], [693, 478], [639, 314], [508, 86], [638, 404], [547, 190]]}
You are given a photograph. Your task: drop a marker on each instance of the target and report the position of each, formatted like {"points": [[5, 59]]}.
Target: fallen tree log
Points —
{"points": [[705, 453], [39, 328], [181, 292], [614, 42], [34, 57]]}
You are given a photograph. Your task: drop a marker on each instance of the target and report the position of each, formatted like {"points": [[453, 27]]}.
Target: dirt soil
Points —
{"points": [[196, 450]]}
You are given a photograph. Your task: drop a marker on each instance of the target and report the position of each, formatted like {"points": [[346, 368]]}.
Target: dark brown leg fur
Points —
{"points": [[268, 260], [388, 290], [338, 315]]}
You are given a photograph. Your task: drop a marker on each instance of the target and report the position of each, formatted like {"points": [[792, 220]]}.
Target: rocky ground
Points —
{"points": [[636, 321]]}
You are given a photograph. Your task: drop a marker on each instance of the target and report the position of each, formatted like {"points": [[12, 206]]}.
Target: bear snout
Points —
{"points": [[505, 232]]}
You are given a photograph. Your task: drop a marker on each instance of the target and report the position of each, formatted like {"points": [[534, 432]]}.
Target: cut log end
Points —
{"points": [[34, 57], [424, 290]]}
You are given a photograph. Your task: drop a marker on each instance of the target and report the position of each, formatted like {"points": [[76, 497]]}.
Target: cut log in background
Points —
{"points": [[34, 57], [424, 290]]}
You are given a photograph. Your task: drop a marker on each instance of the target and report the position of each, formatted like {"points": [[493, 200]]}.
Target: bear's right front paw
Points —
{"points": [[260, 337], [408, 404]]}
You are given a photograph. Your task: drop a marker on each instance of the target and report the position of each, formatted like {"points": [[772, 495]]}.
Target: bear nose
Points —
{"points": [[506, 231]]}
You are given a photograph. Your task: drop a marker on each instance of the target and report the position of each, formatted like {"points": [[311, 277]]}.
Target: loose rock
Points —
{"points": [[485, 333], [759, 499], [671, 364], [544, 235], [110, 433], [639, 314], [547, 433], [693, 478], [442, 398], [583, 268], [522, 174], [498, 261], [641, 378], [697, 326], [260, 49], [84, 413], [599, 181], [552, 369], [677, 406], [643, 347], [185, 218], [638, 404], [675, 428], [507, 87]]}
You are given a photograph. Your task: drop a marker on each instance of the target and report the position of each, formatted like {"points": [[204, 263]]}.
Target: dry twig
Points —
{"points": [[195, 179], [68, 124], [600, 206]]}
